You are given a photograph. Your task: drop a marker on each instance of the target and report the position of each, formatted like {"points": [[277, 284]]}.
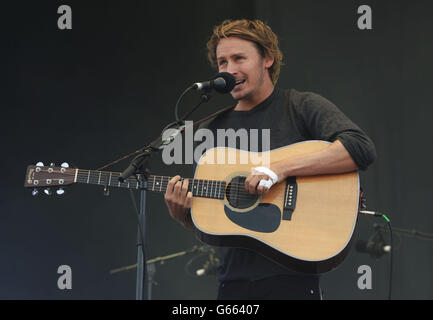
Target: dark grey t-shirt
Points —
{"points": [[292, 117]]}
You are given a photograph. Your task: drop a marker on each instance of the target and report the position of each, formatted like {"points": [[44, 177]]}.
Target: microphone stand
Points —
{"points": [[141, 272], [139, 167], [409, 233], [151, 265]]}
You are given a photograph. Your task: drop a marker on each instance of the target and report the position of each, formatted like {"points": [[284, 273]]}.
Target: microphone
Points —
{"points": [[207, 269], [223, 82], [132, 168], [210, 265], [375, 246], [375, 249]]}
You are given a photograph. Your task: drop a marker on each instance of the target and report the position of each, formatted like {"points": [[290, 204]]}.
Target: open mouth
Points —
{"points": [[238, 82]]}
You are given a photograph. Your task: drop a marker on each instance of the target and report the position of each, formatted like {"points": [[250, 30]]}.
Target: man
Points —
{"points": [[249, 51]]}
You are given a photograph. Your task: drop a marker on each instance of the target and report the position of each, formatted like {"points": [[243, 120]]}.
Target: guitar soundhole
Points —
{"points": [[237, 196]]}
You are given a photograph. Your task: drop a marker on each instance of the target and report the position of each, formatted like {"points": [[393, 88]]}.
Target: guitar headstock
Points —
{"points": [[40, 176]]}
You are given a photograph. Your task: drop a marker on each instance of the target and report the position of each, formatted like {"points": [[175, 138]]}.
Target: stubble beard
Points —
{"points": [[249, 94]]}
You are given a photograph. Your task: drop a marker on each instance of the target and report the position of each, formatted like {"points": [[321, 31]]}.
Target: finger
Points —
{"points": [[247, 181], [184, 190], [262, 190], [168, 196], [252, 186], [171, 184], [188, 200], [178, 188]]}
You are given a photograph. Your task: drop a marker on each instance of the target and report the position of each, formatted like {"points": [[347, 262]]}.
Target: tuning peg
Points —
{"points": [[35, 192], [48, 191], [52, 164], [39, 164], [60, 191], [65, 165]]}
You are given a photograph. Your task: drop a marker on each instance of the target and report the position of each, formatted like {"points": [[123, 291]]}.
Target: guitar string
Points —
{"points": [[208, 190], [93, 176], [133, 180], [157, 179], [210, 193], [164, 181]]}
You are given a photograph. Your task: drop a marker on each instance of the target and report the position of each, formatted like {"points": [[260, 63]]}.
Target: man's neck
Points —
{"points": [[249, 103]]}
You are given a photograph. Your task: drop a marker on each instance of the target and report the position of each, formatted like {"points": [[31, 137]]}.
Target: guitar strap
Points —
{"points": [[213, 115]]}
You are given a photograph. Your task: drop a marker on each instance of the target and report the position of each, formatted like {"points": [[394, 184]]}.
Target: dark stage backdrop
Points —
{"points": [[108, 86]]}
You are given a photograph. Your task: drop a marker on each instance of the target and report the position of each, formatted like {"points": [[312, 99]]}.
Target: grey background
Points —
{"points": [[108, 86]]}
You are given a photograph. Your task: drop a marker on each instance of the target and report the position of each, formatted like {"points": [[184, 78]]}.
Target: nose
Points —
{"points": [[231, 68]]}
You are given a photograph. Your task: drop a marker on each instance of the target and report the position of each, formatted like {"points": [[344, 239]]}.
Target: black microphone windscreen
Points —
{"points": [[230, 82]]}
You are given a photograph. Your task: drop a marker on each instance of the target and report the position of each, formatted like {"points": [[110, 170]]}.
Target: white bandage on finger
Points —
{"points": [[266, 183]]}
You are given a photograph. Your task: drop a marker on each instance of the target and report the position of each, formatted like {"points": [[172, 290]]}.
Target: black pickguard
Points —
{"points": [[266, 217]]}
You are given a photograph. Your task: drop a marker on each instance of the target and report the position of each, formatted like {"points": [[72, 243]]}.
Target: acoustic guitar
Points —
{"points": [[303, 223]]}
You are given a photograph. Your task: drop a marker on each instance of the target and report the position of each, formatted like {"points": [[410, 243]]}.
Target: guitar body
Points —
{"points": [[314, 238]]}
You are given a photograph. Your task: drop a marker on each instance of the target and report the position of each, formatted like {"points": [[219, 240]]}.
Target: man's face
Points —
{"points": [[241, 58]]}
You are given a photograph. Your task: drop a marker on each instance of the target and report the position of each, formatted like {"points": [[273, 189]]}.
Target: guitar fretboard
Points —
{"points": [[199, 188]]}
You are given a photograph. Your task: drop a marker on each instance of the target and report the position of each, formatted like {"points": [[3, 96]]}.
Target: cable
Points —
{"points": [[176, 108], [391, 255], [203, 98]]}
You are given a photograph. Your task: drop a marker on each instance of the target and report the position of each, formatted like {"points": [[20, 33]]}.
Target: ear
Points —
{"points": [[268, 62]]}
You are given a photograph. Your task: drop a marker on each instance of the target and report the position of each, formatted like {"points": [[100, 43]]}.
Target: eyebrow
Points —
{"points": [[232, 55]]}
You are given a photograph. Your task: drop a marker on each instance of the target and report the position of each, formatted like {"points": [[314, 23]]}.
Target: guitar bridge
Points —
{"points": [[290, 198]]}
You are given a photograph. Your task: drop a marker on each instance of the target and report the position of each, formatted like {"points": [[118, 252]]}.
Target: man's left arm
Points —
{"points": [[331, 160], [351, 149]]}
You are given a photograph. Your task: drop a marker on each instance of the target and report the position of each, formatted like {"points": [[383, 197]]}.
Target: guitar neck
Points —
{"points": [[199, 188]]}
